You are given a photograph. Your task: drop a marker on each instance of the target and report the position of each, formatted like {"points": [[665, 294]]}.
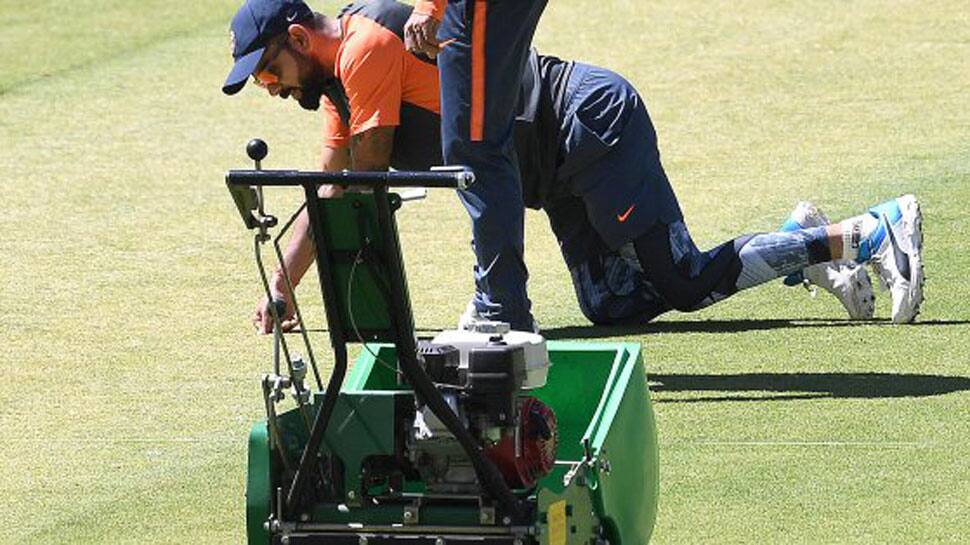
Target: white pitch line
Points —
{"points": [[86, 441], [807, 443]]}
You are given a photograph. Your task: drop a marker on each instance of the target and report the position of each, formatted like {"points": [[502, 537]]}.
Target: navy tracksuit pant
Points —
{"points": [[481, 73], [620, 228]]}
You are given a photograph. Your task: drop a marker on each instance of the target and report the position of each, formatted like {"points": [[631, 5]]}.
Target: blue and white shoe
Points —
{"points": [[895, 251], [846, 280]]}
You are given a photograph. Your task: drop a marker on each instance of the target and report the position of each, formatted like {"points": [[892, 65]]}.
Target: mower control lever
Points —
{"points": [[257, 149]]}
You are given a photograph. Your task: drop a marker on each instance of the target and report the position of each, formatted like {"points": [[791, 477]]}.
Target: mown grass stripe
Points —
{"points": [[21, 85]]}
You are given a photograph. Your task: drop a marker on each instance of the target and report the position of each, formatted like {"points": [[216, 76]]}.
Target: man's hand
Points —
{"points": [[263, 316], [420, 34], [331, 191]]}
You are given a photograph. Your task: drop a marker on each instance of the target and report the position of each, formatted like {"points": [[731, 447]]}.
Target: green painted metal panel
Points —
{"points": [[599, 393], [259, 486], [574, 389], [351, 222], [362, 425], [374, 369], [628, 472]]}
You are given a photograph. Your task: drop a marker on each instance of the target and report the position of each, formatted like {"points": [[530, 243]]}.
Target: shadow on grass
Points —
{"points": [[719, 326], [794, 386]]}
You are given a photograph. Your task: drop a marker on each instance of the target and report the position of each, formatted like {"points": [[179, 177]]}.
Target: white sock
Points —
{"points": [[854, 232]]}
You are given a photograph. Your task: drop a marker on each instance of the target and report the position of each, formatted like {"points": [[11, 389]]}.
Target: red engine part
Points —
{"points": [[538, 437]]}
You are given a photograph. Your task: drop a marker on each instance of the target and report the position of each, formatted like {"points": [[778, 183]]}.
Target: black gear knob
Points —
{"points": [[256, 149]]}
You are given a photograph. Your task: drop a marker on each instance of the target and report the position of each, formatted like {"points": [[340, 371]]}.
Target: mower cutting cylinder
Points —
{"points": [[602, 489]]}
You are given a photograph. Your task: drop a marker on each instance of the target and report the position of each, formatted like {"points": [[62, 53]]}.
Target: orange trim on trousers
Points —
{"points": [[477, 126]]}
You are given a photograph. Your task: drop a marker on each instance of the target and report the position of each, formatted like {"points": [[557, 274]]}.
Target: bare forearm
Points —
{"points": [[300, 252], [371, 151]]}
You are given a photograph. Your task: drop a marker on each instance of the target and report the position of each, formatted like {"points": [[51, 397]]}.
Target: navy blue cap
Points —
{"points": [[254, 25]]}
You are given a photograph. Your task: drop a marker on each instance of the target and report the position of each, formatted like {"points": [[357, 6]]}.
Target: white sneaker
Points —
{"points": [[846, 280], [849, 283], [468, 319], [896, 254], [471, 320]]}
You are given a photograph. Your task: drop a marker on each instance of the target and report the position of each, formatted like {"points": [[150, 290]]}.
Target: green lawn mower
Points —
{"points": [[480, 436]]}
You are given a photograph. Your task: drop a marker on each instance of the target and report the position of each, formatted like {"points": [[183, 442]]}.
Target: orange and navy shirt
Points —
{"points": [[384, 85]]}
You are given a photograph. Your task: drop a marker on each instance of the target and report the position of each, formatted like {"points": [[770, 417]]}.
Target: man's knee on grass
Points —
{"points": [[611, 291], [685, 278]]}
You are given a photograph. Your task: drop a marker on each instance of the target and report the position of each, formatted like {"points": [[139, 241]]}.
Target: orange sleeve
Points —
{"points": [[371, 70], [434, 8], [335, 131]]}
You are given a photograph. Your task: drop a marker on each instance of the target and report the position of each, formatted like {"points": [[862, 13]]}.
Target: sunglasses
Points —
{"points": [[264, 75]]}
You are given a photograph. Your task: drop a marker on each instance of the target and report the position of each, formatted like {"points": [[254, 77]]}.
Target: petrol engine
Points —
{"points": [[485, 376]]}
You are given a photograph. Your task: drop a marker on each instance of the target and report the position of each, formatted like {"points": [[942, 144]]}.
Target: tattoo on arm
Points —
{"points": [[371, 149]]}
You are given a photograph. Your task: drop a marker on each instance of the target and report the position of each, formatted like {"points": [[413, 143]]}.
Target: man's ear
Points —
{"points": [[299, 38]]}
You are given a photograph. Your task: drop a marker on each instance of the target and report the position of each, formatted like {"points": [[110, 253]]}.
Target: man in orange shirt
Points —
{"points": [[379, 102], [587, 155]]}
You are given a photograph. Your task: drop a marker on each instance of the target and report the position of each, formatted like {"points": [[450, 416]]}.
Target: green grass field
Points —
{"points": [[129, 369]]}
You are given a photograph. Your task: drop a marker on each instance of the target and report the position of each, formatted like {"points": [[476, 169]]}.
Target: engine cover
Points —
{"points": [[527, 453], [536, 364]]}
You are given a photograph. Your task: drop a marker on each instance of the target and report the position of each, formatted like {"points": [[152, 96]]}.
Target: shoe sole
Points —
{"points": [[865, 309], [913, 220]]}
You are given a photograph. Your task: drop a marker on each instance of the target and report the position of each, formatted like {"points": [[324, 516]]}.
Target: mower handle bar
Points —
{"points": [[456, 177]]}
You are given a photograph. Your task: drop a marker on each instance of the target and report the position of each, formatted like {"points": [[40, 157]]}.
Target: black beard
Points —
{"points": [[313, 83], [310, 93]]}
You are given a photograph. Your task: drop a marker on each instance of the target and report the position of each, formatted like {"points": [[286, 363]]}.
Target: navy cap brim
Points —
{"points": [[241, 71]]}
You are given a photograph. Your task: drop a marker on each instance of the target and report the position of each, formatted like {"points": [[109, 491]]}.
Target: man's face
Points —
{"points": [[285, 72]]}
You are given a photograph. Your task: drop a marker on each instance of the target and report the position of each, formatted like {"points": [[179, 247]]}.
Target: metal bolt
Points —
{"points": [[351, 495], [408, 515], [285, 540], [605, 467], [362, 540], [439, 541], [507, 521], [304, 517]]}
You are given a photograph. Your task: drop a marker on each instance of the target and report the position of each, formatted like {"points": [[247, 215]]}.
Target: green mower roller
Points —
{"points": [[480, 436]]}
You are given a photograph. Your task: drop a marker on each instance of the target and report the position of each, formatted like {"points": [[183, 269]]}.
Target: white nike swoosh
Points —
{"points": [[490, 265]]}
